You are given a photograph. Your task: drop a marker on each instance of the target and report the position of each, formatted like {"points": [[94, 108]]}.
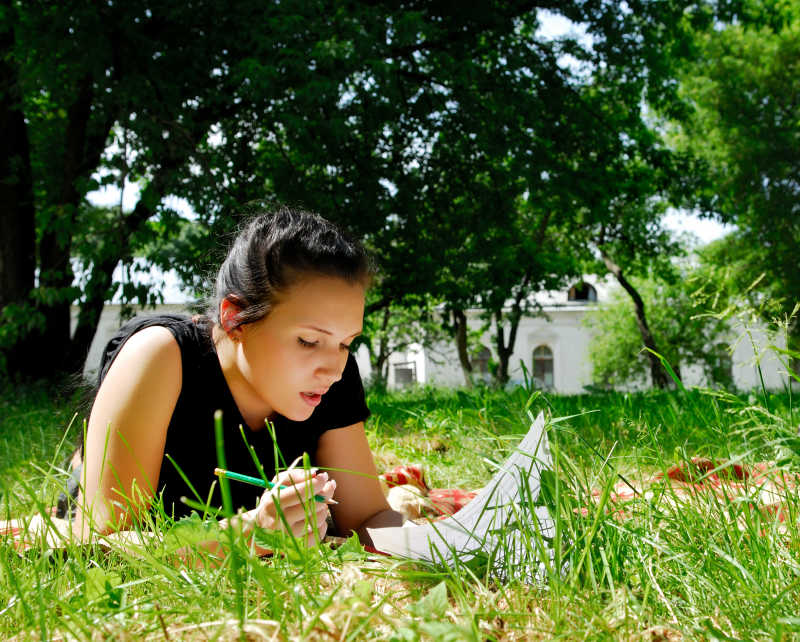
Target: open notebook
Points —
{"points": [[502, 522]]}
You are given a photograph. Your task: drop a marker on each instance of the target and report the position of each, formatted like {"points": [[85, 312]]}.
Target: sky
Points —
{"points": [[706, 230]]}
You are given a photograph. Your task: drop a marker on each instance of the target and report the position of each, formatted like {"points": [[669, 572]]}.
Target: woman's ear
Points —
{"points": [[229, 317]]}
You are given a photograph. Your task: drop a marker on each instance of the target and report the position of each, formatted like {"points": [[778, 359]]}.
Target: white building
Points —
{"points": [[176, 301], [553, 349]]}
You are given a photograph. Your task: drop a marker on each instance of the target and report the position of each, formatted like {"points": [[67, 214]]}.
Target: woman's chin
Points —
{"points": [[299, 413]]}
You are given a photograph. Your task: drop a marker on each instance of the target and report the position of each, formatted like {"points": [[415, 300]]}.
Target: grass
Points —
{"points": [[709, 568]]}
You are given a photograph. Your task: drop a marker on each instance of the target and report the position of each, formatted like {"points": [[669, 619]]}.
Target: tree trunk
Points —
{"points": [[55, 279], [17, 212], [97, 293], [119, 247], [460, 323], [657, 372], [506, 349], [382, 358], [55, 246]]}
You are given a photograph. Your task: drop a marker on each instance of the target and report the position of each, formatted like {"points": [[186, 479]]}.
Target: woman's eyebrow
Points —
{"points": [[323, 331]]}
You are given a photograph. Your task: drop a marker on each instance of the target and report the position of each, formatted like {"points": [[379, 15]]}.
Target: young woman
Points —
{"points": [[273, 348]]}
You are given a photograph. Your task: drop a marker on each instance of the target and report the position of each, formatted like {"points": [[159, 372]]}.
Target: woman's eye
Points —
{"points": [[306, 344], [344, 346]]}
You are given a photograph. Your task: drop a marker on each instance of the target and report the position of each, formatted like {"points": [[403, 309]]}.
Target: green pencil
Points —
{"points": [[256, 481]]}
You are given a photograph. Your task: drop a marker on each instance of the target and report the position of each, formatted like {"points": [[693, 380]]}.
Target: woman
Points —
{"points": [[273, 348]]}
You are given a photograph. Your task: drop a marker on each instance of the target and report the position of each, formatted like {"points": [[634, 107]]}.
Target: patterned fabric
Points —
{"points": [[419, 500], [412, 474], [448, 501], [760, 486]]}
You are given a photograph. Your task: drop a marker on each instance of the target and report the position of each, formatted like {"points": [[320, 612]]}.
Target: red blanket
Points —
{"points": [[419, 500], [762, 485]]}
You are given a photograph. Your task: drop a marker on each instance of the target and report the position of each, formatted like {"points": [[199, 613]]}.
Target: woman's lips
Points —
{"points": [[311, 398]]}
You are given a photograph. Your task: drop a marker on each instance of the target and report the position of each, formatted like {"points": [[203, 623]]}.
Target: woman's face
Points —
{"points": [[291, 357]]}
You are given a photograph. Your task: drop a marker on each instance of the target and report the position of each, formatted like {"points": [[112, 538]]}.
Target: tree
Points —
{"points": [[428, 131], [745, 127], [17, 229], [627, 241], [687, 336], [347, 108], [110, 88], [397, 328]]}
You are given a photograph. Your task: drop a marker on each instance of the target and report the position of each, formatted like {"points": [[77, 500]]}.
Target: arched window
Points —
{"points": [[543, 367], [582, 292]]}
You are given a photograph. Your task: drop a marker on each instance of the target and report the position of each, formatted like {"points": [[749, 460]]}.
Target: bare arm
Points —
{"points": [[361, 500], [125, 442], [127, 431]]}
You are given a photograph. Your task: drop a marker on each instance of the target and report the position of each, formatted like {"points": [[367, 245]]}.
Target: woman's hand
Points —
{"points": [[293, 509]]}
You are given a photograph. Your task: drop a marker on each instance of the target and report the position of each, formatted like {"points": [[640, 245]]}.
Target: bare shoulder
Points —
{"points": [[150, 358], [127, 427], [156, 340], [155, 345]]}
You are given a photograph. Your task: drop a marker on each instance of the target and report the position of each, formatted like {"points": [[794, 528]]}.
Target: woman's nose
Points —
{"points": [[332, 366]]}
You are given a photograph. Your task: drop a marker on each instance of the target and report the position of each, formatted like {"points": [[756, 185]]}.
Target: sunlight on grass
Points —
{"points": [[658, 566]]}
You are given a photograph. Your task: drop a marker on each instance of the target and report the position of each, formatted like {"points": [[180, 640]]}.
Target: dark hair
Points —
{"points": [[277, 248]]}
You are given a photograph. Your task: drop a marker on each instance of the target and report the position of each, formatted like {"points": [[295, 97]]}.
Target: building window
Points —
{"points": [[543, 367], [480, 363], [722, 371], [582, 292], [405, 373]]}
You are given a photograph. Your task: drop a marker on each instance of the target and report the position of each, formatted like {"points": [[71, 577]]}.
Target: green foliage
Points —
{"points": [[457, 142], [745, 127], [684, 333], [396, 327], [705, 568]]}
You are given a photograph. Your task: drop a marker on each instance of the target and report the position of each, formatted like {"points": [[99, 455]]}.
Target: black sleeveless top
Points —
{"points": [[191, 444]]}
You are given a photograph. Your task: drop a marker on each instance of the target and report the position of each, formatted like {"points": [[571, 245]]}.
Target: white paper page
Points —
{"points": [[495, 506]]}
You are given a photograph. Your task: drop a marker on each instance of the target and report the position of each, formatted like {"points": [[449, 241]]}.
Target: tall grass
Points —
{"points": [[706, 568]]}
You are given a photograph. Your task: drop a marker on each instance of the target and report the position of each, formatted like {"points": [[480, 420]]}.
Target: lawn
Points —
{"points": [[707, 568]]}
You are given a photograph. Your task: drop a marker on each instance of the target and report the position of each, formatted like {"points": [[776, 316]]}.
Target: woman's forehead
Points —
{"points": [[327, 303]]}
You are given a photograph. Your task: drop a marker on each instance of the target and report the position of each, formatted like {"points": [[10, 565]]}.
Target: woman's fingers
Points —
{"points": [[298, 484], [294, 508], [298, 513], [308, 524], [289, 514], [294, 474], [328, 489], [316, 536]]}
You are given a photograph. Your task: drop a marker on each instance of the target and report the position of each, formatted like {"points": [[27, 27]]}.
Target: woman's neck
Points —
{"points": [[252, 408]]}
